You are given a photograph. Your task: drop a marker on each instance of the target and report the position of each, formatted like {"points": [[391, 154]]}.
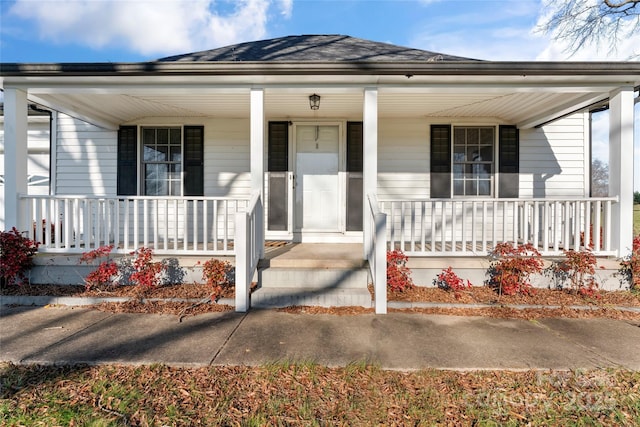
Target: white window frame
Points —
{"points": [[466, 162], [143, 162]]}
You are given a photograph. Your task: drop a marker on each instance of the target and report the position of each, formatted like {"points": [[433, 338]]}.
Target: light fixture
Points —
{"points": [[314, 101]]}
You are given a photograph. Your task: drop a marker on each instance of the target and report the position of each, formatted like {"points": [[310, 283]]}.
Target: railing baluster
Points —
{"points": [[607, 220], [205, 225], [423, 224], [597, 227]]}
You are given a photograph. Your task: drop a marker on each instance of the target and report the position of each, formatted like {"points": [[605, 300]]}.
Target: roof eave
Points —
{"points": [[460, 68]]}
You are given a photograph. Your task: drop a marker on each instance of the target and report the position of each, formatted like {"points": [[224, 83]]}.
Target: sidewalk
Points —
{"points": [[65, 335]]}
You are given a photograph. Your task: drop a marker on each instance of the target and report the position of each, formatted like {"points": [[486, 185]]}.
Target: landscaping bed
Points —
{"points": [[474, 301]]}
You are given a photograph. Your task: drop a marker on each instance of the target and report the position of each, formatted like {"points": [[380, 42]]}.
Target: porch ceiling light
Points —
{"points": [[314, 101]]}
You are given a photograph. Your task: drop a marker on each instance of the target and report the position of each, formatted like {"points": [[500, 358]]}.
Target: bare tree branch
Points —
{"points": [[584, 22]]}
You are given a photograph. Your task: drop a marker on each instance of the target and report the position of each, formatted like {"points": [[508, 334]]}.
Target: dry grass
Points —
{"points": [[309, 395]]}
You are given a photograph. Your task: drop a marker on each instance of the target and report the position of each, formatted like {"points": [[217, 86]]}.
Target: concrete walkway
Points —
{"points": [[65, 335]]}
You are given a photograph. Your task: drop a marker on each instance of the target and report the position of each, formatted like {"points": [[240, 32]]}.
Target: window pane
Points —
{"points": [[458, 187], [175, 188], [471, 188], [484, 187], [162, 153], [486, 152], [175, 136], [486, 136], [150, 154], [162, 136], [473, 135], [176, 154], [459, 136], [148, 136]]}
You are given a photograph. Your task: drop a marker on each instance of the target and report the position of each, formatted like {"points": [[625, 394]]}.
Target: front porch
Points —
{"points": [[317, 274]]}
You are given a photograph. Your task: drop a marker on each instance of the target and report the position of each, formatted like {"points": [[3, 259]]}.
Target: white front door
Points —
{"points": [[317, 184]]}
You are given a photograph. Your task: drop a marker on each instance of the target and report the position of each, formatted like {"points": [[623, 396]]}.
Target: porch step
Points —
{"points": [[285, 297], [325, 275], [324, 287]]}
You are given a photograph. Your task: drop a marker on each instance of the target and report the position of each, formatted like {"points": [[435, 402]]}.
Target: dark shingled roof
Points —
{"points": [[315, 48]]}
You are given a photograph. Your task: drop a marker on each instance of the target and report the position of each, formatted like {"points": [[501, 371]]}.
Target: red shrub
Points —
{"points": [[147, 272], [450, 281], [578, 268], [16, 256], [106, 271], [630, 267], [509, 273], [398, 274], [216, 273]]}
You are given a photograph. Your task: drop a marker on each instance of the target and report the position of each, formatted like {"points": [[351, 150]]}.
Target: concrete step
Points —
{"points": [[313, 278], [323, 287], [283, 297]]}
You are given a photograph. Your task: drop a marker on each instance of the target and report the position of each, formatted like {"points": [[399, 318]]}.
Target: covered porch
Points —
{"points": [[233, 220]]}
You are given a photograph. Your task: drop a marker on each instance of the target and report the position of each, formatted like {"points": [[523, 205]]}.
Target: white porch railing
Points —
{"points": [[448, 227], [376, 252], [168, 225], [249, 249]]}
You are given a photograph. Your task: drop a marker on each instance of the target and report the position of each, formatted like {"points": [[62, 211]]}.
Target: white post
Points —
{"points": [[15, 154], [380, 272], [243, 260], [257, 154], [370, 158], [621, 168]]}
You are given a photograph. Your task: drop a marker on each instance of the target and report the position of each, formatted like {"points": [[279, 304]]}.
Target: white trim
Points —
{"points": [[370, 158], [561, 110], [15, 153], [621, 105], [53, 154], [257, 141]]}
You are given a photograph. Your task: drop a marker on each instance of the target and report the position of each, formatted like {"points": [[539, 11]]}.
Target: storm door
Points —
{"points": [[317, 185]]}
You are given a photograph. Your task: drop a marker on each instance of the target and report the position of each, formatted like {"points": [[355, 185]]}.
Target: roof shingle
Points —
{"points": [[314, 48]]}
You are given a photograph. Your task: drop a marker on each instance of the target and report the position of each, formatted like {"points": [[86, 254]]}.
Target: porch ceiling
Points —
{"points": [[508, 105]]}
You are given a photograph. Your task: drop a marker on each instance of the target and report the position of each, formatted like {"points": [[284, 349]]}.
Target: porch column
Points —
{"points": [[257, 153], [621, 168], [370, 160], [15, 153]]}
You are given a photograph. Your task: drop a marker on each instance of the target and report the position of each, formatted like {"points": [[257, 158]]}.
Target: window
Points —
{"points": [[473, 161], [171, 161], [463, 161], [162, 161]]}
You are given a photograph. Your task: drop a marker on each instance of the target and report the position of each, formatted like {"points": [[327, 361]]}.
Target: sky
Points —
{"points": [[143, 30]]}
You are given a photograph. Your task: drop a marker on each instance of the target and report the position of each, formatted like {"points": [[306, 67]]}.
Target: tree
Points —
{"points": [[583, 22], [599, 178], [636, 197]]}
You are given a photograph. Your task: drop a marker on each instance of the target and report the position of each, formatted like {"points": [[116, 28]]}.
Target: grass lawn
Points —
{"points": [[636, 220], [308, 394]]}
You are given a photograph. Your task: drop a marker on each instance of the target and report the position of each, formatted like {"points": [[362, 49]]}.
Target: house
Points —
{"points": [[38, 147], [323, 138]]}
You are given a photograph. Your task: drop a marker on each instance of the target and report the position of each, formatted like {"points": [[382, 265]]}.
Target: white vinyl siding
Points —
{"points": [[553, 159], [37, 160], [403, 159], [85, 158]]}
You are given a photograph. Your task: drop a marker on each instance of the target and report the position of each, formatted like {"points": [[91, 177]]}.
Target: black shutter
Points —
{"points": [[354, 176], [278, 165], [440, 161], [127, 168], [278, 151], [194, 161], [508, 162]]}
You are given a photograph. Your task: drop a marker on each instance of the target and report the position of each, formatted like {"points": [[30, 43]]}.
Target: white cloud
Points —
{"points": [[151, 26]]}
